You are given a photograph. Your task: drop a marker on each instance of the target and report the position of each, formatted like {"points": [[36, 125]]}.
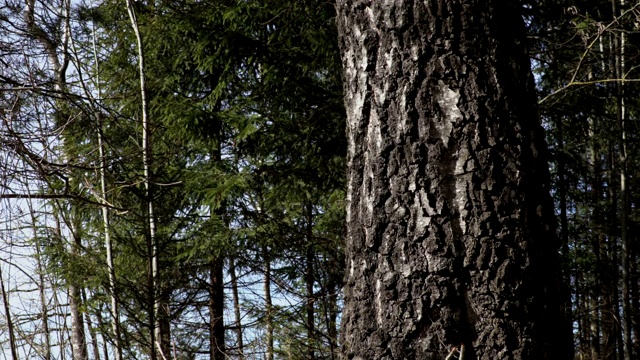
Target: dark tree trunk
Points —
{"points": [[451, 235], [217, 349]]}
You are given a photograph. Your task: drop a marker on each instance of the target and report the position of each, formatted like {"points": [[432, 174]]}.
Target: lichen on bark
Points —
{"points": [[450, 223]]}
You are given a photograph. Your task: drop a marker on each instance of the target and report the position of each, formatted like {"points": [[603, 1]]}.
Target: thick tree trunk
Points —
{"points": [[451, 240], [78, 341]]}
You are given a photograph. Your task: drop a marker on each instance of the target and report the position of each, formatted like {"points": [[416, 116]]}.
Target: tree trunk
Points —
{"points": [[618, 52], [451, 243], [8, 318], [40, 270], [564, 220], [93, 336], [595, 221], [329, 304], [160, 338], [74, 296], [78, 341], [113, 294], [268, 305], [310, 281], [236, 307], [217, 349]]}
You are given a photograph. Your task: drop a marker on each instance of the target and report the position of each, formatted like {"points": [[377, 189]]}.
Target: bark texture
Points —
{"points": [[451, 236]]}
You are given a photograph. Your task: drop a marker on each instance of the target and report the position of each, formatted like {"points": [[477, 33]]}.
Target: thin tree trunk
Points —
{"points": [[45, 310], [158, 337], [330, 309], [451, 247], [113, 291], [564, 221], [619, 44], [92, 331], [8, 318], [41, 288], [613, 211], [60, 323], [310, 281], [74, 295], [595, 291], [268, 305], [594, 325], [236, 307], [635, 297], [582, 317], [101, 323], [115, 311]]}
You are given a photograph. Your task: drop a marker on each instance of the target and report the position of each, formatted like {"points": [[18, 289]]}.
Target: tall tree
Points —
{"points": [[451, 244]]}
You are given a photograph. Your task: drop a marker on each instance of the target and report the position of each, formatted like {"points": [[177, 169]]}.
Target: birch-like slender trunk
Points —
{"points": [[113, 291], [157, 337], [102, 196], [619, 56]]}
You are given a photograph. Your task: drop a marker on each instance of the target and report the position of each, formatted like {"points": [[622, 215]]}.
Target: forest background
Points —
{"points": [[172, 176]]}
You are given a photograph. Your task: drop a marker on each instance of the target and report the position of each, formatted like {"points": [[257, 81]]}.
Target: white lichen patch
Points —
{"points": [[413, 179], [374, 133], [388, 57], [462, 180], [448, 101], [414, 52], [351, 268], [379, 306]]}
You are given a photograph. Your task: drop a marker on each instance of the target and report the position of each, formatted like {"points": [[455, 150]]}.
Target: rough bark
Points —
{"points": [[451, 237]]}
